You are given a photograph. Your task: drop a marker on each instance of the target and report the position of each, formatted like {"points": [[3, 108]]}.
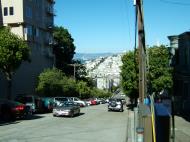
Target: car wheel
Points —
{"points": [[72, 114], [54, 115]]}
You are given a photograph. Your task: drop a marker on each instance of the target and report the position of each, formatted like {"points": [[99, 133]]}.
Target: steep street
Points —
{"points": [[94, 124]]}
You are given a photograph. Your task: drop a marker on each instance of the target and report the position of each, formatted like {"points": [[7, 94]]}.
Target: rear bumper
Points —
{"points": [[61, 113], [115, 108], [20, 114]]}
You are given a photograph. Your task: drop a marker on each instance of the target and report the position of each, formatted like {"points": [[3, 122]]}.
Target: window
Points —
{"points": [[11, 10], [28, 12], [5, 11]]}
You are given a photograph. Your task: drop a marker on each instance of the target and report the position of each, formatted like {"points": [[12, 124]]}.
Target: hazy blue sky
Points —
{"points": [[108, 25]]}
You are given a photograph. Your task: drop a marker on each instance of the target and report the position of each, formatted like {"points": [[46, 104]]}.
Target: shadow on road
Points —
{"points": [[32, 117], [185, 116], [81, 114], [4, 123], [18, 120]]}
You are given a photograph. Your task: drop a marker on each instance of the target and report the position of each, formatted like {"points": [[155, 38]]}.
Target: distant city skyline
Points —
{"points": [[100, 26]]}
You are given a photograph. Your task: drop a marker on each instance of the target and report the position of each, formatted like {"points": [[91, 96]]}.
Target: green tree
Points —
{"points": [[95, 92], [13, 51], [159, 76], [64, 49], [83, 90], [69, 87], [129, 74], [160, 73], [53, 82], [80, 70], [49, 82]]}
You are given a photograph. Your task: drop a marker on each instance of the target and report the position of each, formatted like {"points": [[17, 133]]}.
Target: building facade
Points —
{"points": [[33, 21], [181, 63]]}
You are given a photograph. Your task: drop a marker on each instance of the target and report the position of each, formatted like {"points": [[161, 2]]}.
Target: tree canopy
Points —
{"points": [[159, 76], [129, 75], [13, 50], [64, 49], [53, 82], [160, 73]]}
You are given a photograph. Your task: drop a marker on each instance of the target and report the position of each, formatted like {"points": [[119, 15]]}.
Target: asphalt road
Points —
{"points": [[95, 124]]}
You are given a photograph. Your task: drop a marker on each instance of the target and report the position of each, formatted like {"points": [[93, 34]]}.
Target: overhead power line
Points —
{"points": [[176, 2]]}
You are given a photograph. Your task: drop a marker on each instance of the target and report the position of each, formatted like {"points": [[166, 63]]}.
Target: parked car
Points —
{"points": [[67, 109], [47, 104], [102, 101], [59, 100], [115, 104], [87, 101], [98, 101], [10, 110], [80, 102], [93, 102], [35, 103]]}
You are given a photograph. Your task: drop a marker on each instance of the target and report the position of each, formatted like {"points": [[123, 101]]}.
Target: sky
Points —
{"points": [[102, 26]]}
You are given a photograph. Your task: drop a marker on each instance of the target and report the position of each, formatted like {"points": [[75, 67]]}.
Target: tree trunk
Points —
{"points": [[9, 89]]}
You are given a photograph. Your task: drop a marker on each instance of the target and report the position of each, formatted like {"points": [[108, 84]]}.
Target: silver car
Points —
{"points": [[115, 104], [67, 109]]}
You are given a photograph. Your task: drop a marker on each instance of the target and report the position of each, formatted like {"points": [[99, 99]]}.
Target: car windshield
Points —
{"points": [[67, 104], [116, 100], [61, 99]]}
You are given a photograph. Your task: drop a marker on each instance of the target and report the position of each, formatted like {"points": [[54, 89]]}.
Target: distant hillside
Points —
{"points": [[90, 56]]}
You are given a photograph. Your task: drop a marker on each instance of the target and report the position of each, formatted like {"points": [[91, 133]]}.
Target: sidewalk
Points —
{"points": [[182, 130], [130, 127]]}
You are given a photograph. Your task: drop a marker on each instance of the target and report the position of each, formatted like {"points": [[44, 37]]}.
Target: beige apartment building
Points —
{"points": [[33, 21]]}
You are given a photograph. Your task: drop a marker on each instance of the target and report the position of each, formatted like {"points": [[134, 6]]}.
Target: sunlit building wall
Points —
{"points": [[33, 21]]}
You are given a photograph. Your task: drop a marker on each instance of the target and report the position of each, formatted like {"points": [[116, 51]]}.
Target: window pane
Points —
{"points": [[28, 12], [5, 11], [11, 10]]}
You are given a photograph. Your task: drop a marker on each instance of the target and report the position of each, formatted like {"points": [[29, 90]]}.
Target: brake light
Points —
{"points": [[19, 108]]}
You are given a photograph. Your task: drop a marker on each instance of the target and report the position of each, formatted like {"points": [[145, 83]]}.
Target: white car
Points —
{"points": [[77, 100]]}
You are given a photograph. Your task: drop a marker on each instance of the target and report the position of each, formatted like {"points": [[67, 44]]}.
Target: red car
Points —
{"points": [[93, 102], [10, 110]]}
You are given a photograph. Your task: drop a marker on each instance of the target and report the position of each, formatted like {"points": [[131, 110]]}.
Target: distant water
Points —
{"points": [[90, 56]]}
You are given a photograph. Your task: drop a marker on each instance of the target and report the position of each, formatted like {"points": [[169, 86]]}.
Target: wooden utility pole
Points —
{"points": [[141, 50], [74, 69]]}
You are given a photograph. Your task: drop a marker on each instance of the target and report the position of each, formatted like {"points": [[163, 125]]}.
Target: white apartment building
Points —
{"points": [[33, 21]]}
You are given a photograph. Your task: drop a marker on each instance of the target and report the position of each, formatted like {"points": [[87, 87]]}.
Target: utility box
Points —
{"points": [[163, 117]]}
